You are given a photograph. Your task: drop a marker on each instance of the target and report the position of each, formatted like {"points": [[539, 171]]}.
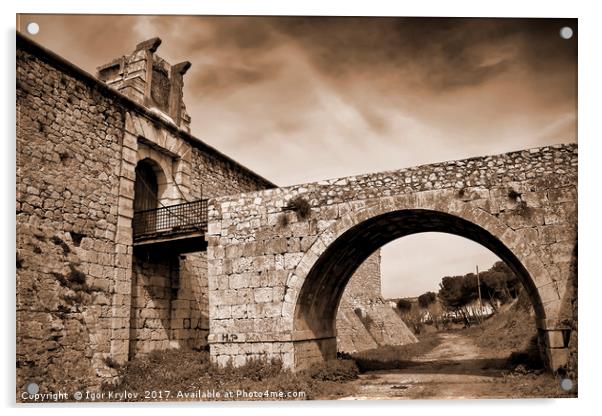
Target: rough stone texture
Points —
{"points": [[369, 326], [213, 177], [78, 143], [364, 320], [68, 164], [169, 303], [150, 81], [288, 272], [272, 279]]}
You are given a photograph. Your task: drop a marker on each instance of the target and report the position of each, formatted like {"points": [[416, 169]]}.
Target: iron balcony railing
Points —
{"points": [[170, 220]]}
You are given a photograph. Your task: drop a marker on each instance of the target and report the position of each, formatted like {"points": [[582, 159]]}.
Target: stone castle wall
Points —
{"points": [[364, 320], [68, 263], [170, 303], [84, 299]]}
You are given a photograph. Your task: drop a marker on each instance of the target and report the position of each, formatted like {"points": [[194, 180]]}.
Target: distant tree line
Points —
{"points": [[427, 299], [424, 301], [498, 285]]}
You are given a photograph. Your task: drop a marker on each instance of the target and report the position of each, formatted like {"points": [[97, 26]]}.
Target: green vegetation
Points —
{"points": [[335, 370], [59, 242], [404, 305]]}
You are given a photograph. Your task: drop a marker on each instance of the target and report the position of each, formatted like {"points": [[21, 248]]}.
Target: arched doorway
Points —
{"points": [[146, 187], [150, 189], [314, 318]]}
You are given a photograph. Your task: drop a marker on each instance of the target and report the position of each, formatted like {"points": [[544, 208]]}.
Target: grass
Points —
{"points": [[391, 357], [339, 370], [512, 333], [76, 276], [192, 371]]}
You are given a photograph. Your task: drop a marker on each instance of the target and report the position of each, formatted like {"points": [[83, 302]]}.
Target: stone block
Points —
{"points": [[288, 308], [263, 295], [555, 339], [291, 260], [239, 311], [244, 296], [240, 360], [279, 263], [239, 281], [214, 228], [223, 282], [223, 360], [562, 252], [233, 251], [277, 245], [548, 293], [557, 357], [558, 195], [223, 312]]}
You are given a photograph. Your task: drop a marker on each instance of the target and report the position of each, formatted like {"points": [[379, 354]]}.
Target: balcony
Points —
{"points": [[180, 228]]}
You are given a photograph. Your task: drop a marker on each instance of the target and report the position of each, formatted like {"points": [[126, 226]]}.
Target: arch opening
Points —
{"points": [[150, 186], [323, 287], [416, 264]]}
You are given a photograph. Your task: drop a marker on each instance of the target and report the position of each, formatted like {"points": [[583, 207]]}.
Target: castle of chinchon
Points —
{"points": [[133, 235]]}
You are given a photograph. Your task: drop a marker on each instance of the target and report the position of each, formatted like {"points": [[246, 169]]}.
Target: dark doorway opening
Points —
{"points": [[146, 187]]}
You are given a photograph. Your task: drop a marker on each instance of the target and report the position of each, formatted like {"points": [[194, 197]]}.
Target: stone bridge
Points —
{"points": [[279, 259]]}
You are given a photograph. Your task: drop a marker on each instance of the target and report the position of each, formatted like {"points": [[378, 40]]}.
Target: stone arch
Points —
{"points": [[315, 287], [163, 183]]}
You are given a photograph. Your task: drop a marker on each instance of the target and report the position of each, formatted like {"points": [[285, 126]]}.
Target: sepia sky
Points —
{"points": [[301, 99]]}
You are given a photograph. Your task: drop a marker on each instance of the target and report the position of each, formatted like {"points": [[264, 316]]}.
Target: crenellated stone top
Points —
{"points": [[151, 81]]}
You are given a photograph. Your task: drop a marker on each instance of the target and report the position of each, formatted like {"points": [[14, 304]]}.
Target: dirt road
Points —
{"points": [[455, 369]]}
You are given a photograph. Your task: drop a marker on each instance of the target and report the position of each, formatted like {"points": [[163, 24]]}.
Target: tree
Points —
{"points": [[427, 299], [455, 291], [410, 315], [498, 283], [404, 305]]}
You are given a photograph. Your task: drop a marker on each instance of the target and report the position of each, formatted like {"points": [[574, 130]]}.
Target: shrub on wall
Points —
{"points": [[300, 206]]}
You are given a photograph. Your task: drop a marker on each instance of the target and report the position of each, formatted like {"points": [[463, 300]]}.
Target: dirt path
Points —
{"points": [[454, 369]]}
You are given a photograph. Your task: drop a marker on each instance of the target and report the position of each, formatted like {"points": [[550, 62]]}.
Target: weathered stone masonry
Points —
{"points": [[364, 320], [270, 282], [84, 298], [289, 275]]}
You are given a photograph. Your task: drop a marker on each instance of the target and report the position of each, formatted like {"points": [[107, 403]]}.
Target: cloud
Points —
{"points": [[300, 99], [431, 53], [224, 78]]}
